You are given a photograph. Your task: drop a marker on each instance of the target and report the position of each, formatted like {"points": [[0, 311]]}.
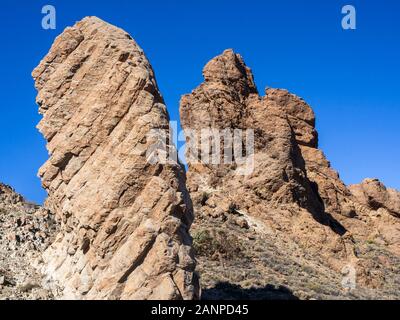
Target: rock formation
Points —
{"points": [[373, 194], [124, 221], [273, 220], [289, 227]]}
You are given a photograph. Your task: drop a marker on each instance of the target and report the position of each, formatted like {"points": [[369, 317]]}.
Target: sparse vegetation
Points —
{"points": [[370, 242], [216, 243]]}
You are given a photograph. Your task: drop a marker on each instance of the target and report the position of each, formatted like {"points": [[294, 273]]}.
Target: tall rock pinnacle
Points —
{"points": [[124, 221]]}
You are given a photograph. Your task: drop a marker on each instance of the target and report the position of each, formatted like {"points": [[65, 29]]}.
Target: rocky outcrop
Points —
{"points": [[273, 218], [333, 192], [26, 230], [288, 227], [373, 194], [124, 221], [229, 100]]}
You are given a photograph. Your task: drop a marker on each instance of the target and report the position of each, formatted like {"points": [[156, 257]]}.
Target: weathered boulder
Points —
{"points": [[373, 194], [124, 221]]}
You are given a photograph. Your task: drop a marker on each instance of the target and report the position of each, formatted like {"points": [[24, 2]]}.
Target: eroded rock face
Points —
{"points": [[124, 221], [373, 194], [289, 220], [333, 192]]}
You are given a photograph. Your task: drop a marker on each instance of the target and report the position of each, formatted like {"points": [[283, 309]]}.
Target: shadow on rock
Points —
{"points": [[230, 291]]}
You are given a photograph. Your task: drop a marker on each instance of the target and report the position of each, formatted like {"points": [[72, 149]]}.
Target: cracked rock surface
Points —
{"points": [[276, 223], [289, 228], [26, 230], [124, 221]]}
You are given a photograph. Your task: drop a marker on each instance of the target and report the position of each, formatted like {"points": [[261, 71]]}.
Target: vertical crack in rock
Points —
{"points": [[124, 222]]}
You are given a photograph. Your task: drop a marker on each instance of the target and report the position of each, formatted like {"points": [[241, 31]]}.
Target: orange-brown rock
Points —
{"points": [[289, 228], [373, 194], [124, 221], [228, 99]]}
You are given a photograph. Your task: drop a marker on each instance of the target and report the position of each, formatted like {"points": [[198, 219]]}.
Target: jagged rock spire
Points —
{"points": [[290, 209]]}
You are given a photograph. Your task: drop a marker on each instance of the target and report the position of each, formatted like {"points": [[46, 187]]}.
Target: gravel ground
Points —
{"points": [[25, 231]]}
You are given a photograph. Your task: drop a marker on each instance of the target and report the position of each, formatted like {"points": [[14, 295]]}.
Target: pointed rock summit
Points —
{"points": [[124, 221], [228, 99]]}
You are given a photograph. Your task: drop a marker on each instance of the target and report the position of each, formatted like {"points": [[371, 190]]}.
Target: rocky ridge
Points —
{"points": [[124, 221], [294, 228]]}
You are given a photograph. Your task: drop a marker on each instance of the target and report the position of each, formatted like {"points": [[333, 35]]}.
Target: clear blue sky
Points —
{"points": [[351, 78]]}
